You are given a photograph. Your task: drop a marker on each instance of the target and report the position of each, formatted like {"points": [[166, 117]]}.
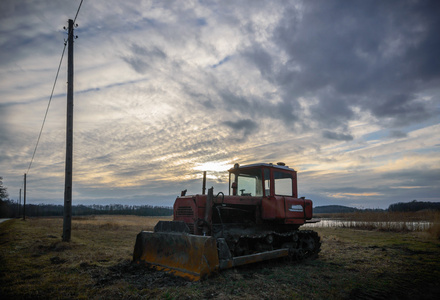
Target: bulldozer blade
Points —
{"points": [[189, 256]]}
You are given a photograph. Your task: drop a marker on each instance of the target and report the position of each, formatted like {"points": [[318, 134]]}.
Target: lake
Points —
{"points": [[412, 226]]}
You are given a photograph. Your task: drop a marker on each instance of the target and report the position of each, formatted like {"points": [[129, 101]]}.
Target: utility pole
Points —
{"points": [[19, 205], [67, 225], [24, 198]]}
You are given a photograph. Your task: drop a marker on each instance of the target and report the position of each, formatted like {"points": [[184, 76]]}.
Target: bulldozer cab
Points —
{"points": [[263, 180]]}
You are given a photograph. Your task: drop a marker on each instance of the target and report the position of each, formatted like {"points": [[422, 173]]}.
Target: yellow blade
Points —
{"points": [[185, 255]]}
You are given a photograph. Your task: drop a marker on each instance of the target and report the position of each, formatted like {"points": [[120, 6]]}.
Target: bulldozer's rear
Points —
{"points": [[258, 220]]}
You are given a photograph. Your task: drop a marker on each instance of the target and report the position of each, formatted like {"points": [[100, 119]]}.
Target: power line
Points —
{"points": [[51, 95], [79, 7], [47, 109]]}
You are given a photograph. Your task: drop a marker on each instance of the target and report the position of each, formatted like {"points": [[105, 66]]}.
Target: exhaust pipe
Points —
{"points": [[204, 183], [208, 211]]}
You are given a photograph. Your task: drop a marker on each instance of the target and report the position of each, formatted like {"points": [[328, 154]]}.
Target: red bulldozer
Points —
{"points": [[259, 220]]}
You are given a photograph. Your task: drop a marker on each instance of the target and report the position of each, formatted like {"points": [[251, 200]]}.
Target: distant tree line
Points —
{"points": [[10, 209], [330, 209], [396, 207], [3, 198], [414, 206]]}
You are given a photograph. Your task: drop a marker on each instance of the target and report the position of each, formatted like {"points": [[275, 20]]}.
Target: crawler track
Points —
{"points": [[302, 244]]}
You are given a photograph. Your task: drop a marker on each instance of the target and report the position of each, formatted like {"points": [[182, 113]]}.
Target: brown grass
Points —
{"points": [[353, 264], [434, 229], [117, 222]]}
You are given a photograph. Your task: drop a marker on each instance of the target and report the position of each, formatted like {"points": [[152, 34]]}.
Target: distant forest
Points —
{"points": [[414, 206], [9, 209], [396, 207]]}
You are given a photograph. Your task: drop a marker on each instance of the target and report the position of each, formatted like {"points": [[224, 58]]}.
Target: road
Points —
{"points": [[2, 220]]}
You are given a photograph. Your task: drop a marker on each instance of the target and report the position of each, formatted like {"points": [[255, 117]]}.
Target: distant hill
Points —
{"points": [[331, 209]]}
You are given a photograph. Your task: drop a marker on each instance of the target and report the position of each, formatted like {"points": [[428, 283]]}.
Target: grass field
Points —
{"points": [[96, 264]]}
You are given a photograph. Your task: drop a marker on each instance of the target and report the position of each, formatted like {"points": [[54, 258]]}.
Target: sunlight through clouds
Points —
{"points": [[166, 90], [215, 166]]}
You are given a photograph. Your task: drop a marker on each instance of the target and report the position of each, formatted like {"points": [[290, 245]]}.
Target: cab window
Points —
{"points": [[283, 183], [249, 182]]}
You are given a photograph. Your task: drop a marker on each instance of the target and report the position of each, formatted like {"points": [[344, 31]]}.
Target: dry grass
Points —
{"points": [[353, 264], [434, 229], [117, 222], [35, 260]]}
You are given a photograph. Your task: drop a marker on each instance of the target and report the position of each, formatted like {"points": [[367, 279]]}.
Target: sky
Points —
{"points": [[345, 92]]}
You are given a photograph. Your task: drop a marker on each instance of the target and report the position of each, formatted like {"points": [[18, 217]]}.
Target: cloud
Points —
{"points": [[337, 136], [397, 134], [245, 127], [347, 93], [261, 59], [360, 53], [404, 109], [140, 57]]}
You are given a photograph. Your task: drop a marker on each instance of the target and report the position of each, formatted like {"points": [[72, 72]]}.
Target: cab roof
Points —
{"points": [[281, 166]]}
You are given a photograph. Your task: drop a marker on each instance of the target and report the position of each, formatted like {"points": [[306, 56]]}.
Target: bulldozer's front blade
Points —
{"points": [[185, 255]]}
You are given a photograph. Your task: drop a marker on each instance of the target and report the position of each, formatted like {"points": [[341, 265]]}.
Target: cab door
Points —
{"points": [[278, 186]]}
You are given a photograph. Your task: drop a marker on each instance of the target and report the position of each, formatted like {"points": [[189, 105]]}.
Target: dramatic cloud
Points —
{"points": [[337, 136], [346, 92], [244, 127]]}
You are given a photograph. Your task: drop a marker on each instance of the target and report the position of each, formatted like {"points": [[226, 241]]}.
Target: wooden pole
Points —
{"points": [[67, 224], [24, 198], [19, 205]]}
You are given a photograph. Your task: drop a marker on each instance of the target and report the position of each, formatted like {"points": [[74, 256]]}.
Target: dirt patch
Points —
{"points": [[135, 275], [57, 261], [41, 248]]}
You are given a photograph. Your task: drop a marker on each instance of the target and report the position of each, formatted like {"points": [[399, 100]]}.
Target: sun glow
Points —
{"points": [[217, 166]]}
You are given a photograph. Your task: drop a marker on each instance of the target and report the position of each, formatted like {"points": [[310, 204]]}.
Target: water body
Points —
{"points": [[413, 226]]}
